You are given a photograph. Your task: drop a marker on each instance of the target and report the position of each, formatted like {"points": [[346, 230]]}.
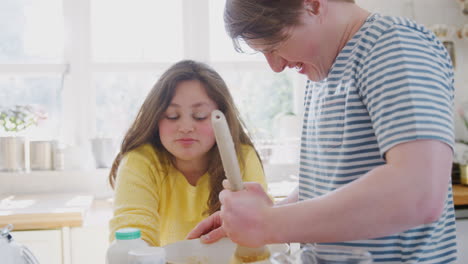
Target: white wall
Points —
{"points": [[431, 12]]}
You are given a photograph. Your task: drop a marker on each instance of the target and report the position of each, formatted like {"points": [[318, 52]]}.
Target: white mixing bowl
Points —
{"points": [[221, 252]]}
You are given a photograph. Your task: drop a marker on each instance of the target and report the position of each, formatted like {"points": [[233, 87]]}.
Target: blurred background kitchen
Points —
{"points": [[74, 72]]}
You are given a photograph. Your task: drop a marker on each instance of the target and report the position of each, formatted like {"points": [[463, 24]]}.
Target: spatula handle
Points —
{"points": [[232, 170], [227, 150]]}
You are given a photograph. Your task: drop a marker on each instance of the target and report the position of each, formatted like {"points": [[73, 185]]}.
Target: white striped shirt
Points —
{"points": [[391, 83]]}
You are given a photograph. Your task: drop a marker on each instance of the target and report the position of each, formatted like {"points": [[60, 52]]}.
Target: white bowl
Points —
{"points": [[195, 252]]}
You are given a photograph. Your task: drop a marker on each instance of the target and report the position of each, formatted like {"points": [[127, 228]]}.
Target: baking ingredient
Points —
{"points": [[237, 258]]}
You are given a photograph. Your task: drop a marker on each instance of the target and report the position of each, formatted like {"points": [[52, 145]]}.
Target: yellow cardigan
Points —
{"points": [[161, 203]]}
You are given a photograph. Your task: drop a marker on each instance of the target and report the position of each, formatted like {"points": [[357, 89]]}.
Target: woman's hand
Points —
{"points": [[245, 215], [209, 230], [293, 197]]}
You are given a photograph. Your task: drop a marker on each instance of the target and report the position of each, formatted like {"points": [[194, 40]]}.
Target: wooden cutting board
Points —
{"points": [[460, 194], [44, 211]]}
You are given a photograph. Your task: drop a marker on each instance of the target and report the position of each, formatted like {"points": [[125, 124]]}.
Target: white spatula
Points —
{"points": [[232, 170]]}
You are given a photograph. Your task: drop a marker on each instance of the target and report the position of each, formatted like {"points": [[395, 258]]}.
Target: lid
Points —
{"points": [[127, 233]]}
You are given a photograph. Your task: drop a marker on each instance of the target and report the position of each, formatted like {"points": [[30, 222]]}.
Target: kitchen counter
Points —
{"points": [[279, 190], [59, 228], [460, 195], [44, 211]]}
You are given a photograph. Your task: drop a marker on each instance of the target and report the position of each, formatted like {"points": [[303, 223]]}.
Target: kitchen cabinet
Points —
{"points": [[46, 245], [59, 228], [76, 245], [462, 239], [89, 244]]}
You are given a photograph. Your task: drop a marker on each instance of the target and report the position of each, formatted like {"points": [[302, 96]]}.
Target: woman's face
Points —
{"points": [[185, 128]]}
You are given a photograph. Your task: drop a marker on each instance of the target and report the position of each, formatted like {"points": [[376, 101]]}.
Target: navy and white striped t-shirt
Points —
{"points": [[391, 83]]}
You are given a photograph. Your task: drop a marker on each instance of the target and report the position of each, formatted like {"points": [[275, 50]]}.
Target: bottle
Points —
{"points": [[147, 255], [126, 239]]}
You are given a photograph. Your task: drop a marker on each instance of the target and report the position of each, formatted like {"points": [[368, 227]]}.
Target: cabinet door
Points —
{"points": [[46, 245], [462, 239], [89, 244]]}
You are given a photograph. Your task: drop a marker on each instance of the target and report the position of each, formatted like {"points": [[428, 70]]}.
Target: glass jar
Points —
{"points": [[323, 255]]}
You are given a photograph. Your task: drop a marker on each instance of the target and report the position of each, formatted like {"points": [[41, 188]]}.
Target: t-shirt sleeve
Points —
{"points": [[136, 198], [406, 83]]}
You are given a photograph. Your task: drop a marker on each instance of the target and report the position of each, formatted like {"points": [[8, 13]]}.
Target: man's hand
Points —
{"points": [[242, 217], [246, 215]]}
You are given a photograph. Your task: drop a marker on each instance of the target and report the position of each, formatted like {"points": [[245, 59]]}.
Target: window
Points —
{"points": [[31, 51], [118, 98], [132, 43], [31, 31], [221, 48], [136, 31], [262, 96], [90, 64], [42, 92]]}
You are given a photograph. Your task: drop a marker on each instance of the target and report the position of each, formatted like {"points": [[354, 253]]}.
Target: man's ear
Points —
{"points": [[317, 9], [312, 7]]}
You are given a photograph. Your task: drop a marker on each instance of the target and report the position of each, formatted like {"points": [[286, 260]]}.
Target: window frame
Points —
{"points": [[78, 95]]}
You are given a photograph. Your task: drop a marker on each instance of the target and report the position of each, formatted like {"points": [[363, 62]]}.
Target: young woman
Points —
{"points": [[377, 141], [168, 174]]}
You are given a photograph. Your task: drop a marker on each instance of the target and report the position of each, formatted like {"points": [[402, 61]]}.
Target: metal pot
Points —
{"points": [[14, 154], [41, 155], [104, 151]]}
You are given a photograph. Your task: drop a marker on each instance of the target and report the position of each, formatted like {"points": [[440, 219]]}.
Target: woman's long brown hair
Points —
{"points": [[145, 127]]}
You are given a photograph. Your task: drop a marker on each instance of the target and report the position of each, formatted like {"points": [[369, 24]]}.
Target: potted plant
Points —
{"points": [[14, 147]]}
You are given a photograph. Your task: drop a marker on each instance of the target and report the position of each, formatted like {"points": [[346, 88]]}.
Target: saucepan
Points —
{"points": [[221, 252]]}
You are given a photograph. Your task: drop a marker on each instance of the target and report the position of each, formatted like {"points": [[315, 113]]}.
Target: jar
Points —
{"points": [[58, 156], [323, 254]]}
